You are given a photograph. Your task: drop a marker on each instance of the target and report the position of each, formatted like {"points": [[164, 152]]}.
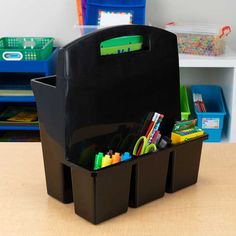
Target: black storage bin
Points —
{"points": [[184, 164], [96, 103], [102, 194], [149, 178]]}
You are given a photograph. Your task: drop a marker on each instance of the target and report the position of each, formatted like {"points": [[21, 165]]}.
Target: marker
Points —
{"points": [[98, 161], [106, 161], [156, 138], [110, 153], [126, 156], [116, 158], [152, 124], [165, 141], [156, 128]]}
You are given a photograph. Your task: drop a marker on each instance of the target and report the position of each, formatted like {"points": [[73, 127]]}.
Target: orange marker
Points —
{"points": [[116, 158]]}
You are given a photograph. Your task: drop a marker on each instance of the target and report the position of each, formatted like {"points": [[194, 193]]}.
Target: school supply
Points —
{"points": [[199, 103], [116, 158], [148, 129], [110, 152], [145, 147], [155, 131], [98, 161], [24, 117], [156, 138], [126, 156], [152, 135], [184, 131], [94, 114], [179, 137], [165, 141], [106, 161], [19, 114], [102, 161]]}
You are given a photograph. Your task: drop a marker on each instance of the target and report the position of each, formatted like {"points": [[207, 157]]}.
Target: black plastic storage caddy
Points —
{"points": [[96, 103]]}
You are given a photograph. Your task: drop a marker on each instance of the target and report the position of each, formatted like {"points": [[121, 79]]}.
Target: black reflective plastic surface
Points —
{"points": [[108, 97]]}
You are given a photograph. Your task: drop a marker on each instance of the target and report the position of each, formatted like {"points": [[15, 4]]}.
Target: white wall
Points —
{"points": [[212, 11], [57, 17], [38, 17]]}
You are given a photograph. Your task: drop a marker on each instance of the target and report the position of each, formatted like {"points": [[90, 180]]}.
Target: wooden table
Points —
{"points": [[207, 208]]}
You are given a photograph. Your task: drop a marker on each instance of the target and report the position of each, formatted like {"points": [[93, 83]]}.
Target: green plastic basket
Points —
{"points": [[25, 48], [184, 104]]}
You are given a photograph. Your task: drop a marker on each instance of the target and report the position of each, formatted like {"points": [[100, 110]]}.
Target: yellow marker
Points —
{"points": [[106, 161]]}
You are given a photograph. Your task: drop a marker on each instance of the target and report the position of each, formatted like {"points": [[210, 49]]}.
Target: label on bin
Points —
{"points": [[107, 18], [210, 123], [12, 56]]}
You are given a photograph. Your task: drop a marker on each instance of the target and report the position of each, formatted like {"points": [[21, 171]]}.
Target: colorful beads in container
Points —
{"points": [[199, 39]]}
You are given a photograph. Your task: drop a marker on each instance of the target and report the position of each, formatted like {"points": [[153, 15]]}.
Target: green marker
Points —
{"points": [[98, 161]]}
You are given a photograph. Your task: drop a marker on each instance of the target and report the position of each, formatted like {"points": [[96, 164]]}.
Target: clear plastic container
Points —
{"points": [[200, 39]]}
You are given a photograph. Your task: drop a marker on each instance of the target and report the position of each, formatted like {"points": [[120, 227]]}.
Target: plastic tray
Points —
{"points": [[27, 48], [200, 39]]}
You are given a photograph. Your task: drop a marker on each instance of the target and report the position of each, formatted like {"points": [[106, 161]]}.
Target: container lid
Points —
{"points": [[199, 28]]}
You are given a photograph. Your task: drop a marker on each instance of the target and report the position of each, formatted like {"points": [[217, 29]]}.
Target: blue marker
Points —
{"points": [[126, 156]]}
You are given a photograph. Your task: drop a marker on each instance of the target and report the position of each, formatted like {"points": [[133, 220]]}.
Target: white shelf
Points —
{"points": [[227, 60], [220, 70]]}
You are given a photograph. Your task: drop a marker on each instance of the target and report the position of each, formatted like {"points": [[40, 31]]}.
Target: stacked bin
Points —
{"points": [[100, 102], [134, 7]]}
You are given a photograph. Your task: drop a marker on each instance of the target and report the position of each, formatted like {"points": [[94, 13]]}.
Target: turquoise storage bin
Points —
{"points": [[135, 7], [211, 121]]}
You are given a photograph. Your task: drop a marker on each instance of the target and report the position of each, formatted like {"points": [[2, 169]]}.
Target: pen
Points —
{"points": [[152, 123], [156, 127]]}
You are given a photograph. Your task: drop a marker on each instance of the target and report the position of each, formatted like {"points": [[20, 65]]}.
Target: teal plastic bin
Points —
{"points": [[184, 104], [211, 121]]}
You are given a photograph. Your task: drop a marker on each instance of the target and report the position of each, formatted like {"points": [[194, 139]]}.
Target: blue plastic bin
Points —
{"points": [[135, 7], [211, 121]]}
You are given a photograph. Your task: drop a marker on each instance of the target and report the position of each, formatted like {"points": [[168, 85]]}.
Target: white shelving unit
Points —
{"points": [[220, 70]]}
